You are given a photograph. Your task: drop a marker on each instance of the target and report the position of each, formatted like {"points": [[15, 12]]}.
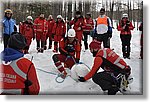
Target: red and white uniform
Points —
{"points": [[40, 28], [79, 25], [89, 24], [120, 27], [14, 75], [108, 60], [59, 30], [27, 29], [50, 28]]}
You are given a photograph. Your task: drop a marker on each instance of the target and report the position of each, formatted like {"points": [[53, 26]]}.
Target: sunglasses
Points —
{"points": [[8, 13]]}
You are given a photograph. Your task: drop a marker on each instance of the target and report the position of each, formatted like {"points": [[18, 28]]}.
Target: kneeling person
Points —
{"points": [[112, 65], [69, 49]]}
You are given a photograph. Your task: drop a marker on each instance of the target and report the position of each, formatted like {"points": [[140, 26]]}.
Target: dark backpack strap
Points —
{"points": [[27, 82]]}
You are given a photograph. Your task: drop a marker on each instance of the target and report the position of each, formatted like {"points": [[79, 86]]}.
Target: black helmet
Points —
{"points": [[17, 41]]}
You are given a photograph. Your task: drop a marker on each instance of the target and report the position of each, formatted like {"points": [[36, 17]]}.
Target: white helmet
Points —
{"points": [[59, 16], [125, 15], [71, 33], [29, 17]]}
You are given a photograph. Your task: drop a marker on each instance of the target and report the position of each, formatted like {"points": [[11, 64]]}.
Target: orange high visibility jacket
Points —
{"points": [[110, 56], [102, 20], [13, 76]]}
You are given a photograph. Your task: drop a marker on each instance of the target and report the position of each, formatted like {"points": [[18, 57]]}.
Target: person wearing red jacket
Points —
{"points": [[59, 31], [69, 49], [141, 40], [89, 26], [27, 30], [125, 26], [78, 25], [111, 63], [51, 23], [40, 29], [17, 74]]}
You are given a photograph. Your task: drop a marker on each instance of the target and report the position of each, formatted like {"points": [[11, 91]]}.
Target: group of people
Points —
{"points": [[19, 75]]}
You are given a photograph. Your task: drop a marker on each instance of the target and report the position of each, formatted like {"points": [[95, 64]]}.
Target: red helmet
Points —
{"points": [[95, 44]]}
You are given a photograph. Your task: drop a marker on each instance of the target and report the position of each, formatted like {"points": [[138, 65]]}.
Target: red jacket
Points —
{"points": [[76, 45], [50, 26], [26, 29], [78, 23], [40, 26], [59, 28], [14, 75], [114, 62], [89, 24], [128, 28]]}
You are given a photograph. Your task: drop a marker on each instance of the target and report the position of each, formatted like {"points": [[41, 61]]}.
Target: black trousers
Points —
{"points": [[5, 39], [107, 82], [125, 39], [85, 34], [42, 43], [105, 39]]}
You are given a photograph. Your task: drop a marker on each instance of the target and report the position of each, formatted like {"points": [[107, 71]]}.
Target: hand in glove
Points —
{"points": [[81, 79]]}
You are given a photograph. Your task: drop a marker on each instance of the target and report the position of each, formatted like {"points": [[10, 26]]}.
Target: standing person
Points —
{"points": [[9, 26], [112, 65], [59, 31], [69, 49], [103, 29], [141, 40], [51, 23], [78, 25], [40, 29], [125, 26], [89, 25], [27, 30], [18, 74]]}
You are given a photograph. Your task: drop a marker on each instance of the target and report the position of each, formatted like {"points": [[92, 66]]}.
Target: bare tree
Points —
{"points": [[69, 10]]}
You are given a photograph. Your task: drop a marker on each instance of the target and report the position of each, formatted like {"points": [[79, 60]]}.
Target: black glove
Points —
{"points": [[81, 79], [77, 60]]}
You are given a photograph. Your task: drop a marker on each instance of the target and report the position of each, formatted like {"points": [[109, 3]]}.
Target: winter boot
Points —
{"points": [[42, 50], [38, 49], [45, 47], [113, 90], [50, 47]]}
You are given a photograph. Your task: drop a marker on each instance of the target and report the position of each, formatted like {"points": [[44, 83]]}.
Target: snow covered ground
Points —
{"points": [[48, 85]]}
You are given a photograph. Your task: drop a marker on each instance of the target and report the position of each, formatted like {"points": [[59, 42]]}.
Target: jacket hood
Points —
{"points": [[10, 54]]}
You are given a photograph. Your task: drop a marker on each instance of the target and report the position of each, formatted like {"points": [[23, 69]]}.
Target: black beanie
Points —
{"points": [[17, 41], [102, 9]]}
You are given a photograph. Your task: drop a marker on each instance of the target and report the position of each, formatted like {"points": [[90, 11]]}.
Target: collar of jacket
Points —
{"points": [[10, 54]]}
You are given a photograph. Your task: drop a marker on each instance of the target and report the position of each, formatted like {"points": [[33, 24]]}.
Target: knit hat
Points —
{"points": [[102, 10], [95, 44], [17, 41]]}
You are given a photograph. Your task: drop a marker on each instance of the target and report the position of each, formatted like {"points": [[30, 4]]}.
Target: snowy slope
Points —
{"points": [[69, 86]]}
